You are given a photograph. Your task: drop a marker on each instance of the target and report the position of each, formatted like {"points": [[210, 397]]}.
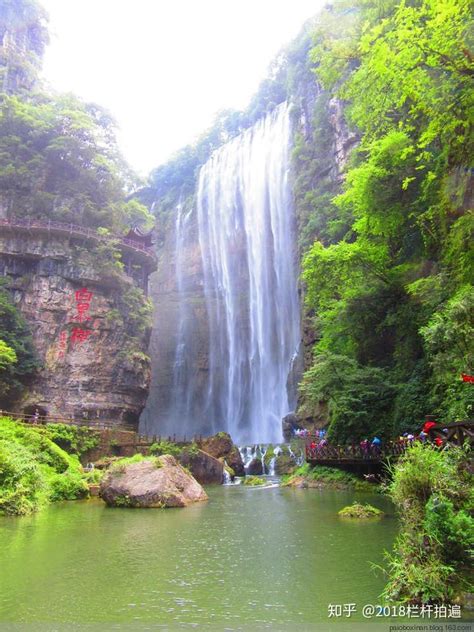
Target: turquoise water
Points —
{"points": [[267, 557]]}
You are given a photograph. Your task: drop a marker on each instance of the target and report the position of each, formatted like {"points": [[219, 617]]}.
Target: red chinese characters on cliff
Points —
{"points": [[62, 345], [79, 335], [83, 303]]}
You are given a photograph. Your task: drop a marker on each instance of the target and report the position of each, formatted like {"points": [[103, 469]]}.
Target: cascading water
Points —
{"points": [[182, 389], [227, 323], [247, 243]]}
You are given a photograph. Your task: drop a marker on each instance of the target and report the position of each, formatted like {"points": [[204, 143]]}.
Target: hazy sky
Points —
{"points": [[163, 68]]}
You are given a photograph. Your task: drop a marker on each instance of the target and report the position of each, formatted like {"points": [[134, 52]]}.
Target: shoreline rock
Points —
{"points": [[220, 446], [158, 482]]}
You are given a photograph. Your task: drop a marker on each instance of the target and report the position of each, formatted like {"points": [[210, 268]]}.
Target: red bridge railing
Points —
{"points": [[356, 452], [441, 435]]}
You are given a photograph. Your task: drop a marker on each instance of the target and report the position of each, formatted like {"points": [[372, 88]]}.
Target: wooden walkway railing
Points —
{"points": [[352, 453], [97, 424], [456, 433], [442, 435], [101, 424], [63, 228]]}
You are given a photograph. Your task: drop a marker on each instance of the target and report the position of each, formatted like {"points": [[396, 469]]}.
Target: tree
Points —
{"points": [[59, 160], [18, 361]]}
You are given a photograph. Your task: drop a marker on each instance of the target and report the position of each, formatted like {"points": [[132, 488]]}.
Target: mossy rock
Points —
{"points": [[284, 464], [230, 472], [253, 481], [268, 455], [360, 511]]}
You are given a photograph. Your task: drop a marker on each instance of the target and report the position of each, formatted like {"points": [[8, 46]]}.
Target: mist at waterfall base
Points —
{"points": [[245, 232]]}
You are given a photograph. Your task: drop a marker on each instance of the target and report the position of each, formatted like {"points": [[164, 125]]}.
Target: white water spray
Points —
{"points": [[250, 281]]}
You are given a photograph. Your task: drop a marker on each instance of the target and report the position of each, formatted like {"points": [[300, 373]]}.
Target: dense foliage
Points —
{"points": [[432, 490], [59, 160], [73, 439], [390, 277], [34, 470], [17, 358]]}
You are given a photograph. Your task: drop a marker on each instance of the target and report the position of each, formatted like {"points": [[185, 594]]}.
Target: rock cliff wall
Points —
{"points": [[84, 325], [168, 286]]}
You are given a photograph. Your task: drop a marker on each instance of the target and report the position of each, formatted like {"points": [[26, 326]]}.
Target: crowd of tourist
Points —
{"points": [[369, 447]]}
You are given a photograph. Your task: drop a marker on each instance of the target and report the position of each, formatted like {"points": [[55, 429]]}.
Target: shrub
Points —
{"points": [[357, 510], [73, 439], [432, 491], [165, 447], [23, 487], [34, 470], [68, 486], [253, 481]]}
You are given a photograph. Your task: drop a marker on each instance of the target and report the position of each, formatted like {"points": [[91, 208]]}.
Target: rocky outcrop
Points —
{"points": [[284, 464], [290, 423], [221, 447], [205, 468], [93, 361], [159, 482], [255, 467]]}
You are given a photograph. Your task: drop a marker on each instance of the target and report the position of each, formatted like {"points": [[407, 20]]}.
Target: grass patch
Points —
{"points": [[253, 481], [360, 511], [119, 465], [329, 476]]}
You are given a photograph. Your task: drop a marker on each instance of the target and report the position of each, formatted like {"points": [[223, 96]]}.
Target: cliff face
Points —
{"points": [[83, 330], [177, 285]]}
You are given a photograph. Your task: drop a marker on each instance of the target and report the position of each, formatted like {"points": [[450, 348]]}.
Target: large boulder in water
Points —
{"points": [[159, 482], [220, 446], [205, 468]]}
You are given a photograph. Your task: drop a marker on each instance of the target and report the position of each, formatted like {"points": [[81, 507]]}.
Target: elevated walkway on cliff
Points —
{"points": [[140, 252]]}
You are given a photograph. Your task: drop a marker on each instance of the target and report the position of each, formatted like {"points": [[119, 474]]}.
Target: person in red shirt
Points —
{"points": [[429, 423]]}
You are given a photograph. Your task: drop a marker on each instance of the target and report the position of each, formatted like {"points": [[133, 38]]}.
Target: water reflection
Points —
{"points": [[277, 556]]}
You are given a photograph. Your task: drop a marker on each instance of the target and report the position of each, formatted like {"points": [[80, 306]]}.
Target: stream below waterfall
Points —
{"points": [[262, 558]]}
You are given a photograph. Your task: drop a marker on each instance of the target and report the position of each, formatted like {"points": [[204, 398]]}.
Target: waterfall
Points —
{"points": [[181, 388], [227, 325], [246, 236]]}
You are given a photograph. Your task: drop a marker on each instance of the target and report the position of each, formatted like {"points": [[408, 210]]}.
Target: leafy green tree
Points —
{"points": [[59, 160], [393, 290], [359, 398], [17, 357], [7, 356]]}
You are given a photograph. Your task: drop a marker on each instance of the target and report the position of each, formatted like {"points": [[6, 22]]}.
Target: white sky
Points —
{"points": [[163, 68]]}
